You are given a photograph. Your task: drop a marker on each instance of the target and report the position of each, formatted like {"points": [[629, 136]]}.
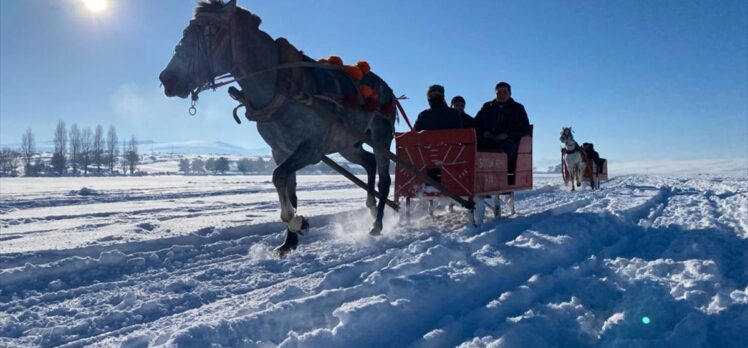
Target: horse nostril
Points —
{"points": [[166, 77]]}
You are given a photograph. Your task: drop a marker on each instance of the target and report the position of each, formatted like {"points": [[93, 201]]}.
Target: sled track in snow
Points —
{"points": [[341, 287]]}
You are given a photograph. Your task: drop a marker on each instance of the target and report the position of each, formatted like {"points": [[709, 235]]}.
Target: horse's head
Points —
{"points": [[566, 135], [205, 50]]}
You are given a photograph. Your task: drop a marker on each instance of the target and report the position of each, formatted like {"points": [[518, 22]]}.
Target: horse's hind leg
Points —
{"points": [[291, 189], [367, 160], [383, 167], [383, 134]]}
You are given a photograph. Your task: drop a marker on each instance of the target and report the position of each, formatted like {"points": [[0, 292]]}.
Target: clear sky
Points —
{"points": [[640, 79]]}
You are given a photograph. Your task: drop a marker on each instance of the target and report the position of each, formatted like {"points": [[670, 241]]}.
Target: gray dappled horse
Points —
{"points": [[572, 156], [223, 39]]}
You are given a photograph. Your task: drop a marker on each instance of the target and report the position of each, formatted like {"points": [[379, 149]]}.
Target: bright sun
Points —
{"points": [[95, 6]]}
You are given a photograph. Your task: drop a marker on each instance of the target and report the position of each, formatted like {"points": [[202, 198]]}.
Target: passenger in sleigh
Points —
{"points": [[458, 103], [589, 150], [501, 123], [439, 115]]}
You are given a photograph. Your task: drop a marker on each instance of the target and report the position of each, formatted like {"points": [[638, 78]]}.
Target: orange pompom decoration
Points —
{"points": [[366, 91], [354, 72], [335, 60], [323, 61], [364, 66]]}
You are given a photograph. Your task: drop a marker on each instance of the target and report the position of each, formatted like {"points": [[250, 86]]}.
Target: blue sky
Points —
{"points": [[640, 79]]}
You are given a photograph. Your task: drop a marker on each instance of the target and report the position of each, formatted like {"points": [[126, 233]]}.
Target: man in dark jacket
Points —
{"points": [[500, 123], [458, 103], [438, 115]]}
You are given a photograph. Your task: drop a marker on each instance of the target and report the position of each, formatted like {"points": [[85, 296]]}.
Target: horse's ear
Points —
{"points": [[230, 7]]}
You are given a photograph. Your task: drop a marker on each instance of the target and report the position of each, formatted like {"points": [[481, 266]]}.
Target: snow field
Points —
{"points": [[193, 267]]}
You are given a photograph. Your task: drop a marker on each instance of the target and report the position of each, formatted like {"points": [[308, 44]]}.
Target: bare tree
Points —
{"points": [[9, 161], [132, 155], [198, 166], [123, 162], [222, 165], [111, 148], [75, 147], [28, 149], [86, 146], [4, 160], [61, 144], [97, 150], [184, 165], [243, 165]]}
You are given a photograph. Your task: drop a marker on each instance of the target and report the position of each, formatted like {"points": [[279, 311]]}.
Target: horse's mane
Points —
{"points": [[216, 7]]}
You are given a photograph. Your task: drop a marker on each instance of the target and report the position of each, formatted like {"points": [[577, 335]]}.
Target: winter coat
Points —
{"points": [[589, 150], [497, 118], [467, 120], [441, 117]]}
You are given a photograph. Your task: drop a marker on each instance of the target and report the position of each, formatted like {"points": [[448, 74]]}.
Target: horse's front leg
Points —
{"points": [[284, 179], [573, 174]]}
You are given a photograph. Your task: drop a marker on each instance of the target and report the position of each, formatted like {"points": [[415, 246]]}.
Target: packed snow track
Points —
{"points": [[187, 262]]}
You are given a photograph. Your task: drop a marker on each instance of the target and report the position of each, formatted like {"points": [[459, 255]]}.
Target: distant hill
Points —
{"points": [[201, 147]]}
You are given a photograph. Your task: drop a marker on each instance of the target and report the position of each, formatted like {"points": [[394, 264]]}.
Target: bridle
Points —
{"points": [[201, 62], [566, 135], [567, 138]]}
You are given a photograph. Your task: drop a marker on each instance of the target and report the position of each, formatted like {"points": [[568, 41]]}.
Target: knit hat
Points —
{"points": [[457, 99], [435, 89]]}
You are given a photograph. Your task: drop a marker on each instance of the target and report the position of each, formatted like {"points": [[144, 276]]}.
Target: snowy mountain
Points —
{"points": [[172, 261]]}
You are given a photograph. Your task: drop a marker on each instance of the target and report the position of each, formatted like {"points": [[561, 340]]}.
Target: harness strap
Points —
{"points": [[264, 114]]}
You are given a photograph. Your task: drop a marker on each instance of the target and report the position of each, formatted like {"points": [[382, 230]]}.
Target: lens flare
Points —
{"points": [[645, 320], [95, 6]]}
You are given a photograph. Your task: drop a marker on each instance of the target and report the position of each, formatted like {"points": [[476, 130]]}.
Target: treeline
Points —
{"points": [[76, 152], [257, 165]]}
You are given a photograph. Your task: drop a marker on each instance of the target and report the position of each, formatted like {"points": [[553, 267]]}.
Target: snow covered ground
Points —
{"points": [[648, 261]]}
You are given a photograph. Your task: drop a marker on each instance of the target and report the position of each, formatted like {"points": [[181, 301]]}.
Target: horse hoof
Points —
{"points": [[298, 224], [291, 242], [376, 230]]}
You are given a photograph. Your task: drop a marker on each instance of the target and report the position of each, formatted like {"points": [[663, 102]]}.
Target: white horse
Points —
{"points": [[572, 156]]}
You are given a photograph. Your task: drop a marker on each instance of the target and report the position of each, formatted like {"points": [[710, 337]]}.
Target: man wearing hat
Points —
{"points": [[458, 103], [438, 115]]}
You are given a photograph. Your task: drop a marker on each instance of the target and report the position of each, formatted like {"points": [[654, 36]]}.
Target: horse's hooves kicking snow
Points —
{"points": [[376, 230], [297, 226], [292, 240]]}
